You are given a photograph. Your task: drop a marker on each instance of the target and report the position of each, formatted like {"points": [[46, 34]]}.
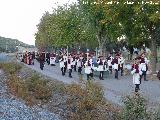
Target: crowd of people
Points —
{"points": [[89, 64]]}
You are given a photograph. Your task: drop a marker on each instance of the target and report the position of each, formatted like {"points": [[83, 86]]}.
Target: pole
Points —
{"points": [[67, 55], [96, 52]]}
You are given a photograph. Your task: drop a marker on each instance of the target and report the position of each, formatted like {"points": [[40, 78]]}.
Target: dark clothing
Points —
{"points": [[116, 74], [158, 74], [89, 75], [137, 87], [101, 75], [70, 72], [79, 70], [110, 69], [143, 74], [62, 69], [121, 69]]}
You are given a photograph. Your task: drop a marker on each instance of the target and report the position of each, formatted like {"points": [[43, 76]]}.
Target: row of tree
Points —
{"points": [[96, 23]]}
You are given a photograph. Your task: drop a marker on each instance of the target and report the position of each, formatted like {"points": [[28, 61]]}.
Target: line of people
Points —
{"points": [[27, 57], [88, 62]]}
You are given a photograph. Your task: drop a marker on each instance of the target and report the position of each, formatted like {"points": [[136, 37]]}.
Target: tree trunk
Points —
{"points": [[153, 56], [101, 49]]}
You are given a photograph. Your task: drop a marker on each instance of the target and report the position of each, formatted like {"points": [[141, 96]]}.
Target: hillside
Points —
{"points": [[9, 45]]}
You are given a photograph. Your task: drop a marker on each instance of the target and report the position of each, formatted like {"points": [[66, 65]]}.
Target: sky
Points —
{"points": [[18, 18]]}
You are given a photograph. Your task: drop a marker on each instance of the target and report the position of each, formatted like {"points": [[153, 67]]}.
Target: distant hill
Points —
{"points": [[9, 45]]}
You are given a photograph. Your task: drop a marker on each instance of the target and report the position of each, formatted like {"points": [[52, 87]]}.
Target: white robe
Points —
{"points": [[61, 63], [136, 78], [52, 60]]}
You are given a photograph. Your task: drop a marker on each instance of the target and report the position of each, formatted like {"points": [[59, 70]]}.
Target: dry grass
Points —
{"points": [[86, 102], [10, 68]]}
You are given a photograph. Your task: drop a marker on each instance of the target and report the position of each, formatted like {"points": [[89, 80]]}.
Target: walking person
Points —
{"points": [[65, 63], [52, 59], [88, 69], [109, 62], [143, 66], [136, 72], [73, 63], [69, 66], [62, 66], [48, 57], [100, 67], [115, 65], [121, 63], [79, 65], [42, 60]]}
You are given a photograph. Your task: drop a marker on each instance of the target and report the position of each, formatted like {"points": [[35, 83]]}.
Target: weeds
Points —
{"points": [[10, 68], [86, 102], [30, 89]]}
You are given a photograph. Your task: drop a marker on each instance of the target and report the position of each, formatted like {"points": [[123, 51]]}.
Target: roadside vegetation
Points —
{"points": [[83, 101]]}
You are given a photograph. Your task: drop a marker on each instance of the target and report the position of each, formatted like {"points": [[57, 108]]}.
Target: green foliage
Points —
{"points": [[157, 114], [84, 99], [135, 108], [39, 88], [10, 68], [31, 89], [17, 86]]}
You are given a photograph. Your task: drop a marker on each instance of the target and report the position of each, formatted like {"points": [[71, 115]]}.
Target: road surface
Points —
{"points": [[114, 90]]}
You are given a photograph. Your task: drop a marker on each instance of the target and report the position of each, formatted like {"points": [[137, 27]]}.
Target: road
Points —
{"points": [[114, 90]]}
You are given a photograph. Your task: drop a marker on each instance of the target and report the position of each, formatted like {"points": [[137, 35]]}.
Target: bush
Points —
{"points": [[85, 101], [32, 82], [31, 89], [42, 90], [17, 86], [10, 68], [157, 114], [39, 88], [135, 108]]}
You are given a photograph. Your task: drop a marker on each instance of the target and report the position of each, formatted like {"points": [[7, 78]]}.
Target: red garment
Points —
{"points": [[135, 66], [142, 60], [115, 61]]}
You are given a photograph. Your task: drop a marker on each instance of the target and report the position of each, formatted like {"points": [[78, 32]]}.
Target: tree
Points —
{"points": [[101, 20], [141, 23]]}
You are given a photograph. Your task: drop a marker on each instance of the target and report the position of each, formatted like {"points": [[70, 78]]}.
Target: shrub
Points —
{"points": [[42, 90], [10, 68], [17, 86], [84, 100], [134, 108], [39, 87], [32, 82], [157, 114]]}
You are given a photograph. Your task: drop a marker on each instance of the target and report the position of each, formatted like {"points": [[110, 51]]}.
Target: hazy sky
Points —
{"points": [[18, 18]]}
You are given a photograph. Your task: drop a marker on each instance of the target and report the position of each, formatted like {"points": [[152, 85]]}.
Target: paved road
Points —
{"points": [[114, 89]]}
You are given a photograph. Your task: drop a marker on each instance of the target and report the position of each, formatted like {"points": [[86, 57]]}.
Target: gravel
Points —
{"points": [[12, 108]]}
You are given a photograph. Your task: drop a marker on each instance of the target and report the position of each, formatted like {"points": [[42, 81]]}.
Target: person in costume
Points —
{"points": [[69, 66], [115, 65], [136, 72], [88, 68], [101, 67], [109, 62], [62, 66], [121, 61], [143, 66]]}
